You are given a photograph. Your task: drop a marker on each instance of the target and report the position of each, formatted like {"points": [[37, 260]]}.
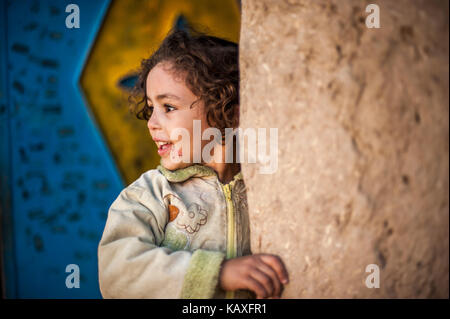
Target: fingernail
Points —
{"points": [[285, 281]]}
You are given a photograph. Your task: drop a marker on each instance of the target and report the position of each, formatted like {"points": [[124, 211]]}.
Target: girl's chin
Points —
{"points": [[168, 164]]}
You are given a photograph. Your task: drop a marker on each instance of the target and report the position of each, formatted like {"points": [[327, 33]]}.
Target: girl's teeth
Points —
{"points": [[160, 144]]}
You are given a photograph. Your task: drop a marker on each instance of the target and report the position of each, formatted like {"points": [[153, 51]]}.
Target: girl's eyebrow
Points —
{"points": [[165, 96]]}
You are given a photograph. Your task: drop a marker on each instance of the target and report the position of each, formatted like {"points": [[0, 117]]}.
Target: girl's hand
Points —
{"points": [[264, 274]]}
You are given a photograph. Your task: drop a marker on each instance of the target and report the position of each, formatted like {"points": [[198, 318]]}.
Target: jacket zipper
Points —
{"points": [[231, 232]]}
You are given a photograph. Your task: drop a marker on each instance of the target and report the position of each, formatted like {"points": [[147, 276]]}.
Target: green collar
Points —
{"points": [[195, 170]]}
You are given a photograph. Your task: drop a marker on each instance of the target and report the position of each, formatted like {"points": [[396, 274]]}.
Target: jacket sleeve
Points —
{"points": [[133, 265]]}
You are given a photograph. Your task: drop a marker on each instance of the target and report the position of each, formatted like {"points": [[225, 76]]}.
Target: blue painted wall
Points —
{"points": [[58, 178]]}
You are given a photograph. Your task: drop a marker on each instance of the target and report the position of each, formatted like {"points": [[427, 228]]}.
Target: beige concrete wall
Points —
{"points": [[362, 118]]}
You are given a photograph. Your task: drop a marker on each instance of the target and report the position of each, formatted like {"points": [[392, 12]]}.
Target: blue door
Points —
{"points": [[58, 177], [68, 144]]}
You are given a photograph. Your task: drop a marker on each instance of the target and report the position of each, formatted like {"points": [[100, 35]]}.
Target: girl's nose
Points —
{"points": [[153, 122]]}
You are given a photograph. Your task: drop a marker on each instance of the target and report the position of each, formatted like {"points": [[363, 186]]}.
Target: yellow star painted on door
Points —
{"points": [[131, 31]]}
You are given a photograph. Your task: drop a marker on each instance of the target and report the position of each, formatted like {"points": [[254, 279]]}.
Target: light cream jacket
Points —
{"points": [[169, 231]]}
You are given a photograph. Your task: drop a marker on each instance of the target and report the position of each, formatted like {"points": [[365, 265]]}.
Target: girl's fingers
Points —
{"points": [[273, 275], [277, 264], [264, 279], [256, 287]]}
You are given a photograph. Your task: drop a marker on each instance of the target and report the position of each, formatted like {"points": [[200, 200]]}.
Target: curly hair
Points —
{"points": [[211, 69]]}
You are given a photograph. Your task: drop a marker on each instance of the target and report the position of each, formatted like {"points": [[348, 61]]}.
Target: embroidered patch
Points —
{"points": [[173, 212], [174, 239], [191, 220]]}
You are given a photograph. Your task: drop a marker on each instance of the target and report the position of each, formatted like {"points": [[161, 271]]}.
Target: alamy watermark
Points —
{"points": [[373, 19], [73, 19], [373, 280], [256, 146], [73, 280]]}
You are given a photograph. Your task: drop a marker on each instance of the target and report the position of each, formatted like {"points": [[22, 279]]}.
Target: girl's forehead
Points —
{"points": [[159, 76], [161, 80]]}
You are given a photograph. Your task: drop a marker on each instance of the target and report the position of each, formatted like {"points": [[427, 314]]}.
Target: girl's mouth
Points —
{"points": [[164, 148]]}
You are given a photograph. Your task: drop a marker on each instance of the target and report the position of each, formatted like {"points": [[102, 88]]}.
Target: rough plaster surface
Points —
{"points": [[362, 118]]}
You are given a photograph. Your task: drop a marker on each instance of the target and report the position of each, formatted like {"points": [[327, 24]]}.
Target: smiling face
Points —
{"points": [[170, 101]]}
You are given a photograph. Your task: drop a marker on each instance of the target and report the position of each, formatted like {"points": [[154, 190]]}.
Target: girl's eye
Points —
{"points": [[169, 108]]}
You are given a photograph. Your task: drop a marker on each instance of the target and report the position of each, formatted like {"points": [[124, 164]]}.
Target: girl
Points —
{"points": [[182, 230]]}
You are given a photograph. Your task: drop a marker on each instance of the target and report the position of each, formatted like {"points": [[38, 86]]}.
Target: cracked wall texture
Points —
{"points": [[362, 118]]}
